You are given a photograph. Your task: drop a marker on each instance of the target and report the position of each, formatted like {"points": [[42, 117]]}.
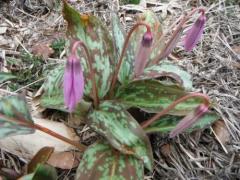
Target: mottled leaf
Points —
{"points": [[42, 171], [123, 132], [153, 96], [101, 161], [96, 37], [14, 107], [167, 123], [6, 76], [41, 157], [53, 90], [168, 69]]}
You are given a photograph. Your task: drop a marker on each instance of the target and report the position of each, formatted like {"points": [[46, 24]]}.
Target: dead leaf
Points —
{"points": [[3, 29], [166, 150], [41, 157], [221, 132], [26, 146], [64, 160], [42, 49], [236, 49]]}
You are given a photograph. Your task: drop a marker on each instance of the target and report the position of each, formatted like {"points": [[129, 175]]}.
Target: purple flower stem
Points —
{"points": [[115, 75], [179, 27]]}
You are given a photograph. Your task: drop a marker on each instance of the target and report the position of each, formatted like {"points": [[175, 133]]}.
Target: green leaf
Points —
{"points": [[133, 1], [6, 76], [53, 90], [40, 157], [168, 69], [123, 132], [101, 161], [167, 123], [96, 37], [42, 171], [14, 107], [153, 96], [149, 17]]}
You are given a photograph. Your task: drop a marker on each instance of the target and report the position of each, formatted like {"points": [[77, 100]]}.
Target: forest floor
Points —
{"points": [[213, 153]]}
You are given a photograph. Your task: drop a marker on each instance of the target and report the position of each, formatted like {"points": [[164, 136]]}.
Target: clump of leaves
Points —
{"points": [[106, 74]]}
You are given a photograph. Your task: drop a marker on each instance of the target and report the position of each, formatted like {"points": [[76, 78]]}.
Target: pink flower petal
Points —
{"points": [[142, 56], [189, 120], [194, 34], [73, 83]]}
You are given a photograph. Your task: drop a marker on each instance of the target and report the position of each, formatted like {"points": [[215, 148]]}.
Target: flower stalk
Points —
{"points": [[174, 104], [115, 75], [170, 45]]}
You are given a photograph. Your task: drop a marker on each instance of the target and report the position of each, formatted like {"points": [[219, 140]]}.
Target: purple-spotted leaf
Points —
{"points": [[122, 131], [101, 161], [150, 18], [90, 30], [52, 97], [168, 69], [167, 123], [14, 107], [153, 96]]}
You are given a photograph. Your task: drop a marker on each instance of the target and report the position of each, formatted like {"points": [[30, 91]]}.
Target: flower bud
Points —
{"points": [[143, 53], [189, 120], [194, 34], [73, 83]]}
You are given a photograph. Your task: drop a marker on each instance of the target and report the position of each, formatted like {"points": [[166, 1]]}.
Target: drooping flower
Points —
{"points": [[194, 33], [73, 83], [143, 53], [189, 120]]}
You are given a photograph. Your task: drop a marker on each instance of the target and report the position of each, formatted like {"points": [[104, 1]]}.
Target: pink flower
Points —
{"points": [[195, 33], [142, 56], [189, 120], [73, 83]]}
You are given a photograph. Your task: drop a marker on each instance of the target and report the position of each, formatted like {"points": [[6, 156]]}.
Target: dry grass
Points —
{"points": [[214, 64]]}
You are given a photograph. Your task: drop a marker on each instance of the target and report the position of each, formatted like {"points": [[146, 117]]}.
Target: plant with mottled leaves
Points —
{"points": [[109, 73]]}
